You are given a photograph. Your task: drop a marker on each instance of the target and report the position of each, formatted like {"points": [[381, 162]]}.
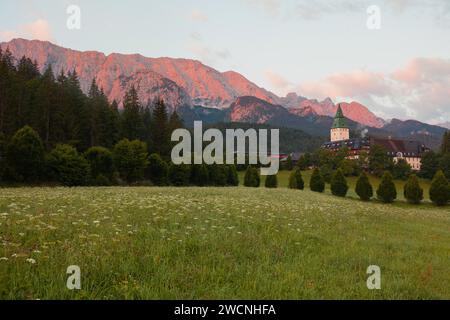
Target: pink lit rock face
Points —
{"points": [[195, 83], [354, 111], [177, 81]]}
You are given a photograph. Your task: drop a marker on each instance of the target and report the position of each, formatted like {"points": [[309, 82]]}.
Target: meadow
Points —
{"points": [[218, 243]]}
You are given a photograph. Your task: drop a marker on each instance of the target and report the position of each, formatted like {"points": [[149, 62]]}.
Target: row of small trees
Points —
{"points": [[439, 190], [23, 159]]}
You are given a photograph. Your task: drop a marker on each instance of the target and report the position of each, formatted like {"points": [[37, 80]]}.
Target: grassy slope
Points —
{"points": [[218, 243]]}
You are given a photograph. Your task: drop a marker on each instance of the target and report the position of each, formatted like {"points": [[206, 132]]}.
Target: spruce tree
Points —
{"points": [[233, 178], [339, 185], [160, 130], [363, 187], [296, 179], [132, 125], [317, 182], [252, 178], [386, 191], [412, 191], [440, 189], [271, 181]]}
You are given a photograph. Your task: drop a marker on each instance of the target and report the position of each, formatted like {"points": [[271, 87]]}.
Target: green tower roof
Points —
{"points": [[339, 119]]}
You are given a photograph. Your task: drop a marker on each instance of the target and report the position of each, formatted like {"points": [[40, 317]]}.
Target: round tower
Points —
{"points": [[339, 130]]}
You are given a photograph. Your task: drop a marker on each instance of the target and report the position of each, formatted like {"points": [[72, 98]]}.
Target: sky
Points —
{"points": [[318, 49]]}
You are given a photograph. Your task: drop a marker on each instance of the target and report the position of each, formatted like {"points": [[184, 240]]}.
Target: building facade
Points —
{"points": [[409, 150]]}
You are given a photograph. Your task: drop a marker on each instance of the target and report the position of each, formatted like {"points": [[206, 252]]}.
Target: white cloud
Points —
{"points": [[420, 89], [36, 30], [198, 16], [278, 82], [207, 55]]}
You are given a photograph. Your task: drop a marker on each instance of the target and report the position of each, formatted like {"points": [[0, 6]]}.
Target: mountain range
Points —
{"points": [[200, 92]]}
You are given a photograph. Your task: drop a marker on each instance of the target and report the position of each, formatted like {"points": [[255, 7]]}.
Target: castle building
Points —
{"points": [[409, 150]]}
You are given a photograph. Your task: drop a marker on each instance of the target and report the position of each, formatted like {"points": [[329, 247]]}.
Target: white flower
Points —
{"points": [[31, 260], [3, 259]]}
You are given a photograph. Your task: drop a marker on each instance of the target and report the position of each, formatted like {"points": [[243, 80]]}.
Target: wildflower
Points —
{"points": [[31, 260], [3, 259]]}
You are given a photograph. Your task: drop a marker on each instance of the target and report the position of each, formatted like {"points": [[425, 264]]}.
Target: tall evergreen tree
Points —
{"points": [[132, 125], [296, 179], [271, 181], [339, 186], [363, 187], [412, 191], [160, 130], [440, 189], [317, 182], [386, 191]]}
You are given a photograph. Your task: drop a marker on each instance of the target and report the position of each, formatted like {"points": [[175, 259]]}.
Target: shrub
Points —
{"points": [[412, 191], [26, 155], [179, 174], [296, 180], [158, 170], [363, 187], [200, 175], [326, 172], [252, 178], [218, 174], [271, 181], [401, 170], [339, 185], [440, 189], [317, 183], [101, 162], [130, 159], [101, 180], [67, 166], [233, 178], [386, 191]]}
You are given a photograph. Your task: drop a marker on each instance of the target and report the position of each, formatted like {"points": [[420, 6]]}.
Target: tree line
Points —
{"points": [[58, 110]]}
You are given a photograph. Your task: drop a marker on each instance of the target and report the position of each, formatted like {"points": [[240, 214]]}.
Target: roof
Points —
{"points": [[339, 119], [394, 146], [408, 148]]}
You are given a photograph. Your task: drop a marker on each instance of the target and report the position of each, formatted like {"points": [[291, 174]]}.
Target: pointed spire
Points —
{"points": [[339, 119]]}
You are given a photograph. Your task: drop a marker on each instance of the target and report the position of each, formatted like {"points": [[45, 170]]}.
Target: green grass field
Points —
{"points": [[218, 243]]}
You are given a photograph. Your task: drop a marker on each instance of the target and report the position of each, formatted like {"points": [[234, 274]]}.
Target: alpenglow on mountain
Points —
{"points": [[180, 82]]}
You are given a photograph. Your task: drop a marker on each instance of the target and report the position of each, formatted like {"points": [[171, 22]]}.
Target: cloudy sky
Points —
{"points": [[314, 48]]}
